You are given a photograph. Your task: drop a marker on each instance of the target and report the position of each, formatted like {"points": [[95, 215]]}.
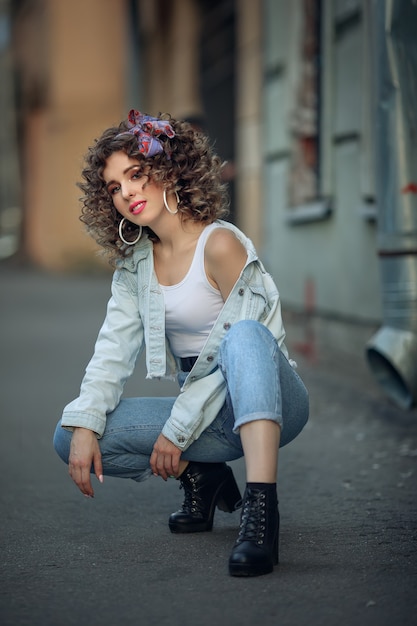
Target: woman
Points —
{"points": [[189, 288]]}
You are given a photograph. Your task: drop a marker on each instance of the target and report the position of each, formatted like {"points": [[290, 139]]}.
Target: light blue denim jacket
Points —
{"points": [[136, 319]]}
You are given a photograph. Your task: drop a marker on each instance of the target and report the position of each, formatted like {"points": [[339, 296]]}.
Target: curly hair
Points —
{"points": [[187, 165]]}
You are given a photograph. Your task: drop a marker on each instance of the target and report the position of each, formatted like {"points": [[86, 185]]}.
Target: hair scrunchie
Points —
{"points": [[147, 129]]}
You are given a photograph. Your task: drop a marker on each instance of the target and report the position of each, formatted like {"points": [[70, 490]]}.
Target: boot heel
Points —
{"points": [[229, 499], [205, 486]]}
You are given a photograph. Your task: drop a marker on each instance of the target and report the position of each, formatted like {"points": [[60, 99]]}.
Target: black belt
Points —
{"points": [[187, 363]]}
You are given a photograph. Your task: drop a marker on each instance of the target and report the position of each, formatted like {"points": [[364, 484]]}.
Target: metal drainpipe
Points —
{"points": [[392, 352]]}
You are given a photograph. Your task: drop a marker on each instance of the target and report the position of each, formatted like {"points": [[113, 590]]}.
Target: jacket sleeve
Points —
{"points": [[194, 409], [118, 345]]}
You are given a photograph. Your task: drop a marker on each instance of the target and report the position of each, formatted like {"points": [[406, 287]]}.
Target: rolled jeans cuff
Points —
{"points": [[253, 417]]}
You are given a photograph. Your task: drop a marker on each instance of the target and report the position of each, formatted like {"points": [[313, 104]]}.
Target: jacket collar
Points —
{"points": [[140, 252]]}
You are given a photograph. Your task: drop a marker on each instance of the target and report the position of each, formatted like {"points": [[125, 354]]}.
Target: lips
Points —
{"points": [[137, 207]]}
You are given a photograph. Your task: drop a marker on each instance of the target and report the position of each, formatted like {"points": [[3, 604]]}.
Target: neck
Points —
{"points": [[174, 232]]}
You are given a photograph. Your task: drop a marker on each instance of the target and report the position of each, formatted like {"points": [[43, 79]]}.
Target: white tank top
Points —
{"points": [[192, 306]]}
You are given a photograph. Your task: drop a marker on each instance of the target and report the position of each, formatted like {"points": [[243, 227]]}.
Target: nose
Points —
{"points": [[127, 190], [132, 186]]}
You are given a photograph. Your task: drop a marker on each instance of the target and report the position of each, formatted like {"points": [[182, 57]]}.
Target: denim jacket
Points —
{"points": [[136, 320]]}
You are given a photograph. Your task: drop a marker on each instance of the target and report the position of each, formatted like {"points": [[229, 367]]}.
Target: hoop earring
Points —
{"points": [[128, 243], [166, 203]]}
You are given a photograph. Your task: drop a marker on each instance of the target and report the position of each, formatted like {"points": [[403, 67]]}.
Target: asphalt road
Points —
{"points": [[347, 490]]}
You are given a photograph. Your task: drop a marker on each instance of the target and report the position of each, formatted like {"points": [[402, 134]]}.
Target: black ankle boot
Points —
{"points": [[205, 485], [256, 549]]}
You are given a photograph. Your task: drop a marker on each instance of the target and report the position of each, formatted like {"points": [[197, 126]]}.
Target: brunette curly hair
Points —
{"points": [[187, 165]]}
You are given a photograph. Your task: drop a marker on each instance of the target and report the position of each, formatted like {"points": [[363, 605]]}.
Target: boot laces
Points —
{"points": [[252, 524], [192, 503]]}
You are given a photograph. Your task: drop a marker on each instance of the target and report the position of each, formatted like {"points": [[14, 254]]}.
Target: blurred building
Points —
{"points": [[285, 89]]}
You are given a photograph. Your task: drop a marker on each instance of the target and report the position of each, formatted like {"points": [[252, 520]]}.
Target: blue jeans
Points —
{"points": [[261, 384]]}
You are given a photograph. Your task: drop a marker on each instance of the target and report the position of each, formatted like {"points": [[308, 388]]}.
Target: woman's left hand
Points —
{"points": [[165, 458]]}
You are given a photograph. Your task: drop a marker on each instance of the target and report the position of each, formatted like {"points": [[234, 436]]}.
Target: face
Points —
{"points": [[136, 199]]}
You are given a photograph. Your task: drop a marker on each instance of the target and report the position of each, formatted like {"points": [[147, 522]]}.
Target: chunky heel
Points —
{"points": [[229, 498], [205, 486], [256, 550]]}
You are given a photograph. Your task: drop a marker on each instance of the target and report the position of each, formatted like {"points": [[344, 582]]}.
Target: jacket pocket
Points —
{"points": [[258, 305]]}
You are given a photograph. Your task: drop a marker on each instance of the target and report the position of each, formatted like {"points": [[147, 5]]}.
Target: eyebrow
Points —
{"points": [[125, 171]]}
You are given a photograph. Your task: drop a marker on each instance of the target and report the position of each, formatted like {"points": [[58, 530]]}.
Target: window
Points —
{"points": [[304, 162], [318, 95]]}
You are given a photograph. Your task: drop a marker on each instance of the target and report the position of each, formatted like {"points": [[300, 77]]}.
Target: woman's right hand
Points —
{"points": [[85, 452]]}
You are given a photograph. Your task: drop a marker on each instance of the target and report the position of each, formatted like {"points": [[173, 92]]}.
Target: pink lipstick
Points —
{"points": [[137, 207]]}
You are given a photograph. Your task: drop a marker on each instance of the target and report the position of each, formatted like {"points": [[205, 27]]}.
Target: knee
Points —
{"points": [[62, 442], [245, 328], [245, 332]]}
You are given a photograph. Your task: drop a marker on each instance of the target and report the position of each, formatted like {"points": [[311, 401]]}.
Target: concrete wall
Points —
{"points": [[334, 259], [75, 63], [250, 196]]}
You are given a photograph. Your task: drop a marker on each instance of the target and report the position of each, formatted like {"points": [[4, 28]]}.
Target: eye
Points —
{"points": [[113, 189], [138, 175]]}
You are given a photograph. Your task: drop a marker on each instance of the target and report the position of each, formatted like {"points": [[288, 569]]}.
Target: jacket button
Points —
{"points": [[227, 326], [241, 291], [210, 358], [180, 439]]}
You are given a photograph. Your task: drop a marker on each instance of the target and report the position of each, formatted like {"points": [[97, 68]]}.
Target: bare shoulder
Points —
{"points": [[225, 257], [222, 244]]}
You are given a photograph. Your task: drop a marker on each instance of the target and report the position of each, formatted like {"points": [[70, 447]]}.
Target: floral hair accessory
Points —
{"points": [[142, 126]]}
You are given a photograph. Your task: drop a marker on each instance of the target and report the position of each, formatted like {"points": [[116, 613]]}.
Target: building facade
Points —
{"points": [[285, 89]]}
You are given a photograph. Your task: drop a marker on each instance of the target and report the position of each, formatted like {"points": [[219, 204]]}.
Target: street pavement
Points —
{"points": [[347, 490]]}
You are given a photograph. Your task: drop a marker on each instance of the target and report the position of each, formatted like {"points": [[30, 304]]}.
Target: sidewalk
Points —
{"points": [[347, 489]]}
